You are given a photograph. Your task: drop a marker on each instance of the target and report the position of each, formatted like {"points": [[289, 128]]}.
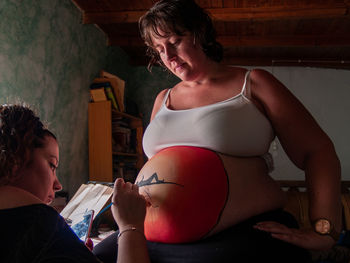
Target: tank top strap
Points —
{"points": [[246, 86], [166, 97]]}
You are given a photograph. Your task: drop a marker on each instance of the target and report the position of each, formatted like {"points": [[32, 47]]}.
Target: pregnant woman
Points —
{"points": [[207, 179]]}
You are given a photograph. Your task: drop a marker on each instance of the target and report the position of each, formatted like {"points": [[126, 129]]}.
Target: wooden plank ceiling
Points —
{"points": [[253, 32]]}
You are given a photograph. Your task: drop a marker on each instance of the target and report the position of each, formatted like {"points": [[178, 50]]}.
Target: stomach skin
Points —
{"points": [[252, 191], [195, 193]]}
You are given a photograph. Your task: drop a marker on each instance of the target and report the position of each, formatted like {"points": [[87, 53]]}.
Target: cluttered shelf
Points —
{"points": [[125, 154], [115, 136], [126, 115]]}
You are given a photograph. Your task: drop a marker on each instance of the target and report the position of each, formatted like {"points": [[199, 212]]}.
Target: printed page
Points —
{"points": [[91, 197], [103, 200], [76, 199]]}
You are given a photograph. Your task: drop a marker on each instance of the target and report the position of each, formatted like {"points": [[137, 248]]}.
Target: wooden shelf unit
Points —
{"points": [[101, 152]]}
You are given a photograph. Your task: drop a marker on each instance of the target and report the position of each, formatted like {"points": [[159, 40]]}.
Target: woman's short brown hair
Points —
{"points": [[178, 17], [21, 131]]}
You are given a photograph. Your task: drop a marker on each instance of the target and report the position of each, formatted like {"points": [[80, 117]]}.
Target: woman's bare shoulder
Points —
{"points": [[265, 83], [259, 74]]}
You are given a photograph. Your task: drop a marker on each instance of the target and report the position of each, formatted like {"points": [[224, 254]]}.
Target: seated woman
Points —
{"points": [[31, 230], [207, 178]]}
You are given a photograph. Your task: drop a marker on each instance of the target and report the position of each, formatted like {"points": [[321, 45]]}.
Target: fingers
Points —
{"points": [[281, 232], [89, 244], [306, 238], [120, 185], [135, 188], [273, 227], [130, 205]]}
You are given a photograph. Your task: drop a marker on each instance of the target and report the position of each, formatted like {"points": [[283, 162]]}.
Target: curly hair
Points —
{"points": [[178, 17], [21, 131]]}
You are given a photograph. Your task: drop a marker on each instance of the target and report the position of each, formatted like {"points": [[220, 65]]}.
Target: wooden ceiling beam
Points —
{"points": [[253, 41], [112, 17], [278, 41], [277, 13], [271, 62], [231, 14]]}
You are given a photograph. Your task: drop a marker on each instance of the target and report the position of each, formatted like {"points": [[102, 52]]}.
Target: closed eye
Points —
{"points": [[53, 167], [175, 43]]}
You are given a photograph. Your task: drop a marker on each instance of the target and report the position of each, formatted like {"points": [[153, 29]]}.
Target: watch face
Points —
{"points": [[323, 226]]}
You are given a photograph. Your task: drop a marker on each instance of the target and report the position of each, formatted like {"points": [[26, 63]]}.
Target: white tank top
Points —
{"points": [[234, 126]]}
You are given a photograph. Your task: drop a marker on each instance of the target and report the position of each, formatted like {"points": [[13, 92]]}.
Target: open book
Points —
{"points": [[91, 196]]}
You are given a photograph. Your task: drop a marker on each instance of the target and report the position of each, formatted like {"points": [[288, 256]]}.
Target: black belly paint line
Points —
{"points": [[153, 179]]}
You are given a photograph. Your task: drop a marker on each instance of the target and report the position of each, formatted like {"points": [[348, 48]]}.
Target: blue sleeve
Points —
{"points": [[63, 245]]}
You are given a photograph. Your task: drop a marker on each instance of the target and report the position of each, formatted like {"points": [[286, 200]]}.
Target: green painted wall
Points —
{"points": [[48, 59], [143, 87]]}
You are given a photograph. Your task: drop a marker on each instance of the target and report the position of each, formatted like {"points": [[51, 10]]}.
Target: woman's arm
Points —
{"points": [[305, 143], [129, 211]]}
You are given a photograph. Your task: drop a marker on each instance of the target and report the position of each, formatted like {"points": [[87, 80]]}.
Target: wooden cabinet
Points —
{"points": [[115, 143]]}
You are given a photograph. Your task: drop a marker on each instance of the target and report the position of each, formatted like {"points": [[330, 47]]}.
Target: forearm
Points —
{"points": [[132, 247], [323, 177]]}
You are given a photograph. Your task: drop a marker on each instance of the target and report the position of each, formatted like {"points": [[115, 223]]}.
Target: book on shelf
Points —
{"points": [[118, 87], [111, 97], [119, 121], [119, 81], [90, 196], [121, 129], [108, 92], [121, 143], [97, 93]]}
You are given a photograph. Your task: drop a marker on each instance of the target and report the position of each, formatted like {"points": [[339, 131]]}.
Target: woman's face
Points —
{"points": [[39, 175], [181, 55]]}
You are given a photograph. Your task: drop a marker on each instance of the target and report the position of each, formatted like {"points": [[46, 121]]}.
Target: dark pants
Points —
{"points": [[240, 243]]}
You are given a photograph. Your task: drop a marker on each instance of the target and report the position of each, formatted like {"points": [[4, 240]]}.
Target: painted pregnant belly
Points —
{"points": [[187, 188]]}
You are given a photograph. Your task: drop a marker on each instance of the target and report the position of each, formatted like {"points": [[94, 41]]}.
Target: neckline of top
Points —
{"points": [[241, 94], [208, 105]]}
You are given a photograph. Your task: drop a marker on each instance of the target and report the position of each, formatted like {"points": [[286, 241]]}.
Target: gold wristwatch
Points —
{"points": [[323, 226]]}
